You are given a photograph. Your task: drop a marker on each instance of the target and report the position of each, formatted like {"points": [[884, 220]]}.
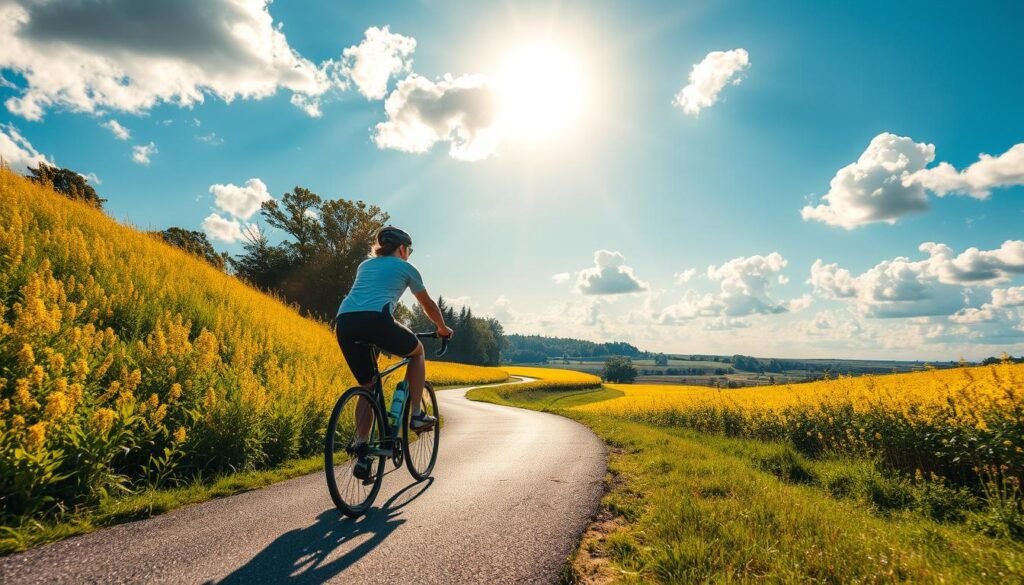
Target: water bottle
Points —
{"points": [[397, 402]]}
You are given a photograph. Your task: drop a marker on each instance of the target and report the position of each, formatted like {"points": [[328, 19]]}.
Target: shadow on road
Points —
{"points": [[298, 556]]}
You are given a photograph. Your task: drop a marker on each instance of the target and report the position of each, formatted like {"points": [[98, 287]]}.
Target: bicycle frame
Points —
{"points": [[391, 435]]}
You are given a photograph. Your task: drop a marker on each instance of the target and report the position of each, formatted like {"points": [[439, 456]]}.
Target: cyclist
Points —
{"points": [[366, 317]]}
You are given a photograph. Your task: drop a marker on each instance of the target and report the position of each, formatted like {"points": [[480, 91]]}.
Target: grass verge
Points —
{"points": [[686, 507]]}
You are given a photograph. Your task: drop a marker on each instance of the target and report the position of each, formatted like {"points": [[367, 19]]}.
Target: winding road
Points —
{"points": [[511, 493]]}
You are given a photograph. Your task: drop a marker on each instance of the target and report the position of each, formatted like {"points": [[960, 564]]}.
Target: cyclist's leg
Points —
{"points": [[415, 375], [360, 358]]}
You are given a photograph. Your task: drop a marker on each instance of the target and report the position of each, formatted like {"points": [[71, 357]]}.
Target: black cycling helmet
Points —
{"points": [[389, 234]]}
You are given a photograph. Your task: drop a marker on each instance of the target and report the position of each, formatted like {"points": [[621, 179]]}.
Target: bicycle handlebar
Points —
{"points": [[434, 335]]}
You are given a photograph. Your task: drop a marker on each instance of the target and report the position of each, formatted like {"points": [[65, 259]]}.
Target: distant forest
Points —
{"points": [[530, 349]]}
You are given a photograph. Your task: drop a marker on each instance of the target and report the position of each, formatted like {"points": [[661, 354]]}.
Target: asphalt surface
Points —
{"points": [[510, 495]]}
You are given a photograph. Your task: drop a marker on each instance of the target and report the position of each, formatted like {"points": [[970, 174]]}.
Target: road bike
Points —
{"points": [[355, 470]]}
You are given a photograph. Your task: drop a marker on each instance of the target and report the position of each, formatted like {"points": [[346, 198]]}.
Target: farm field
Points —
{"points": [[859, 478], [707, 372], [128, 366]]}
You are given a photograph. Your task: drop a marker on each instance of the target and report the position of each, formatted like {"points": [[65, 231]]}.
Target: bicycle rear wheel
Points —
{"points": [[421, 448], [354, 475]]}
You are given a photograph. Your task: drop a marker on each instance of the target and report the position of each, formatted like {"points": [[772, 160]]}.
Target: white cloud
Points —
{"points": [[141, 153], [561, 277], [902, 287], [800, 303], [709, 77], [685, 276], [891, 180], [421, 113], [977, 180], [119, 131], [130, 56], [608, 276], [16, 151], [891, 289], [1008, 297], [744, 288], [241, 201], [974, 265], [872, 188], [222, 228], [381, 55]]}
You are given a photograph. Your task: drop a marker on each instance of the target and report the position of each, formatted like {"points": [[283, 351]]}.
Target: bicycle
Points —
{"points": [[354, 495]]}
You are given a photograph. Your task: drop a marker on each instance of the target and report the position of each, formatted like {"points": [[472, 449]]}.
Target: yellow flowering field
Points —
{"points": [[127, 363], [949, 422], [545, 380]]}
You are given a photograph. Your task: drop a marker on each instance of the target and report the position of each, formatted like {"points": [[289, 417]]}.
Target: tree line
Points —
{"points": [[526, 349]]}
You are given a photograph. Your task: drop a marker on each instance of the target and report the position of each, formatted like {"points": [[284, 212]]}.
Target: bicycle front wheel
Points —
{"points": [[421, 448], [353, 448]]}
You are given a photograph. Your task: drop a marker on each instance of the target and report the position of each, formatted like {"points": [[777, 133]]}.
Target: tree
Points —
{"points": [[194, 243], [316, 264], [661, 360], [67, 182], [619, 369]]}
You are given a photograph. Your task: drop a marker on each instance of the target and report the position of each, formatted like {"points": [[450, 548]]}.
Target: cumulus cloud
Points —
{"points": [[608, 276], [241, 201], [221, 228], [119, 131], [124, 55], [561, 277], [709, 77], [744, 288], [872, 188], [891, 289], [212, 139], [1008, 297], [977, 180], [974, 265], [902, 287], [371, 64], [891, 179], [141, 153], [16, 151], [460, 111]]}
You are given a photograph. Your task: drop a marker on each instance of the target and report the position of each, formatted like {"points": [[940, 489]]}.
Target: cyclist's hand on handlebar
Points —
{"points": [[445, 332]]}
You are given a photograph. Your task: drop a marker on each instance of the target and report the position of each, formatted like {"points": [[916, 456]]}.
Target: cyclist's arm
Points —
{"points": [[433, 312]]}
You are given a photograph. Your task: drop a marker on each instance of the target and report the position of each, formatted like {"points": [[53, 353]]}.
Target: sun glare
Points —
{"points": [[542, 91]]}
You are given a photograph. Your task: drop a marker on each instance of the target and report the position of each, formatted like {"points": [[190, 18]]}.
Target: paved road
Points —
{"points": [[511, 493]]}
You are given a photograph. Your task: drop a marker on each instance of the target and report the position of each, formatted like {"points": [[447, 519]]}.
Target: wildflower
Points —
{"points": [[211, 397], [22, 397], [179, 435], [154, 400], [56, 362], [57, 405], [175, 392], [26, 357], [38, 375], [159, 414], [102, 420], [36, 436], [172, 372], [80, 369], [17, 421]]}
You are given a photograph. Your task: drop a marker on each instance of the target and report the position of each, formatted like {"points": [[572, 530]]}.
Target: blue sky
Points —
{"points": [[623, 214]]}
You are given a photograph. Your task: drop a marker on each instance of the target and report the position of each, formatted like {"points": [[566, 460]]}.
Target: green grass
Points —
{"points": [[707, 509]]}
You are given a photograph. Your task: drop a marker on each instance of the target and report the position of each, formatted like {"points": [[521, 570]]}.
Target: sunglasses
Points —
{"points": [[408, 250]]}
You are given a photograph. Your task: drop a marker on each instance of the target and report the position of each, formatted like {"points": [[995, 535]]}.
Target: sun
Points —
{"points": [[541, 91]]}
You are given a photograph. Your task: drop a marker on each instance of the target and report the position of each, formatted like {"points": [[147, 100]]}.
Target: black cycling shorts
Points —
{"points": [[358, 330]]}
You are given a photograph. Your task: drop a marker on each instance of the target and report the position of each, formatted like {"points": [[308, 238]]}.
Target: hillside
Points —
{"points": [[126, 363]]}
